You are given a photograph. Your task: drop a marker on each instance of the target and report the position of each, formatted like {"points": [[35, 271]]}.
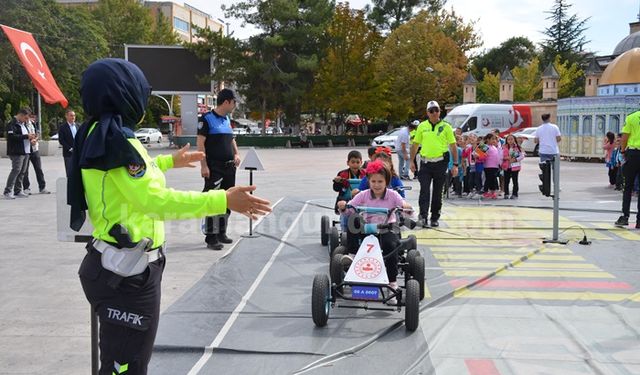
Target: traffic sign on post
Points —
{"points": [[251, 162]]}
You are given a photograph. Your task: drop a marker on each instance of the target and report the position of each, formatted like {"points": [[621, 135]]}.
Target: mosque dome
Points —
{"points": [[624, 69], [629, 42]]}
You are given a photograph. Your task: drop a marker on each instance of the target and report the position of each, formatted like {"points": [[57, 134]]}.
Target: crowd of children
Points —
{"points": [[614, 161], [490, 164]]}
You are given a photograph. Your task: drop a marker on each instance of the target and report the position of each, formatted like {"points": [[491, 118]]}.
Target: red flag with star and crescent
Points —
{"points": [[35, 65]]}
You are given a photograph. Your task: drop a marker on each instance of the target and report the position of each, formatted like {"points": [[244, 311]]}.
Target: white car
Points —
{"points": [[387, 139], [239, 130], [148, 135], [527, 141]]}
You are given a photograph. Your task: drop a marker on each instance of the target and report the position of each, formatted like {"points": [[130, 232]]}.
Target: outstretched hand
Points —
{"points": [[239, 200], [182, 158]]}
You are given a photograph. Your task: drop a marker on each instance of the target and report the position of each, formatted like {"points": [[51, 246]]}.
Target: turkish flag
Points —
{"points": [[34, 63]]}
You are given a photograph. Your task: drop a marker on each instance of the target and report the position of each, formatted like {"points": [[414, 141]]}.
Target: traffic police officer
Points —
{"points": [[437, 141], [127, 202], [216, 140], [630, 148]]}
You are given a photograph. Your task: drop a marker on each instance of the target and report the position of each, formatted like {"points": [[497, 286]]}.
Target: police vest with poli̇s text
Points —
{"points": [[434, 139]]}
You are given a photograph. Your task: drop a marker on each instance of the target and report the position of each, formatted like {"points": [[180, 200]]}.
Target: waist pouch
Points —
{"points": [[126, 262]]}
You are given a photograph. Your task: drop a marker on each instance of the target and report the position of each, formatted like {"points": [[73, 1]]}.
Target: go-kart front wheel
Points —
{"points": [[336, 270], [412, 306], [320, 300], [325, 224], [418, 273]]}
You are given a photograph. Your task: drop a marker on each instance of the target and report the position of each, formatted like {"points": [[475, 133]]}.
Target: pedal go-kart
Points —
{"points": [[331, 233], [366, 279]]}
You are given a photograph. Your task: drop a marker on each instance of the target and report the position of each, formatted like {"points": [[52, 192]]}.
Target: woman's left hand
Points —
{"points": [[182, 158]]}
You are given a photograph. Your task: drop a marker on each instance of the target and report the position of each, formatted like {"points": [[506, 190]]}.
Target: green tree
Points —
{"points": [[514, 52], [419, 62], [162, 33], [70, 39], [126, 22], [488, 87], [527, 84], [389, 14], [282, 60], [565, 36], [346, 82], [571, 78]]}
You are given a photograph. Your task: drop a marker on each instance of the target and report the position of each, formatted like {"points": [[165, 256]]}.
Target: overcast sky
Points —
{"points": [[498, 20]]}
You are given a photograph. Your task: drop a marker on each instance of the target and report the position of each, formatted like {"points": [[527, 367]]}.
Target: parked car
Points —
{"points": [[388, 139], [148, 135], [239, 130], [526, 138]]}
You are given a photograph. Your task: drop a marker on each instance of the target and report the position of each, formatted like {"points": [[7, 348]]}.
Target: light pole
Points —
{"points": [[224, 23]]}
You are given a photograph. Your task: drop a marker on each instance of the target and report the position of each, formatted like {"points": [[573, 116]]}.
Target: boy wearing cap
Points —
{"points": [[437, 141]]}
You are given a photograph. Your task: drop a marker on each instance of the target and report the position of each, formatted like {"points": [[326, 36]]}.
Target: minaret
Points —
{"points": [[506, 85], [592, 78], [469, 89], [550, 83]]}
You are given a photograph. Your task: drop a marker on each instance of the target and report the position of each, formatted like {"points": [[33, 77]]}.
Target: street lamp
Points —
{"points": [[224, 23]]}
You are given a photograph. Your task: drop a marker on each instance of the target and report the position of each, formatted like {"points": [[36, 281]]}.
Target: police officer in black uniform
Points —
{"points": [[216, 140]]}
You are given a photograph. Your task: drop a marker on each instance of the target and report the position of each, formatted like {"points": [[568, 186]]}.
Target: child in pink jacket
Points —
{"points": [[491, 166], [512, 156]]}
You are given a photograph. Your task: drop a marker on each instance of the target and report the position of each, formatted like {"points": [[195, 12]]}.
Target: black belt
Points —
{"points": [[228, 163]]}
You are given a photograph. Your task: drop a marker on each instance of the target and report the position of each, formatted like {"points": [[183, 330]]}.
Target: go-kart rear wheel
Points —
{"points": [[339, 250], [325, 224], [412, 243], [418, 273], [320, 300], [334, 239], [343, 239], [336, 270], [412, 306]]}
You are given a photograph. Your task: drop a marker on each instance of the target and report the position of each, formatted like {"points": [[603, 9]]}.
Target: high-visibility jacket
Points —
{"points": [[632, 127], [434, 139]]}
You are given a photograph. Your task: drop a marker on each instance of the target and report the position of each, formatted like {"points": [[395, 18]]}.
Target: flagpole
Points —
{"points": [[39, 111]]}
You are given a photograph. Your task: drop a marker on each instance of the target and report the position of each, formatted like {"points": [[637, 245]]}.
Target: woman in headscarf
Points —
{"points": [[124, 190]]}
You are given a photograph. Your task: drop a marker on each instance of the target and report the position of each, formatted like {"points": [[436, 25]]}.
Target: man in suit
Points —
{"points": [[66, 135]]}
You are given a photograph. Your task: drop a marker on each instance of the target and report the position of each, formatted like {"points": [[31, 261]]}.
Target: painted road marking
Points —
{"points": [[517, 273], [506, 257], [553, 296], [481, 367], [567, 266], [500, 250], [544, 284]]}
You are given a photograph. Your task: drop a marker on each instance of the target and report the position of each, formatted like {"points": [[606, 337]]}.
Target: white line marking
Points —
{"points": [[208, 350]]}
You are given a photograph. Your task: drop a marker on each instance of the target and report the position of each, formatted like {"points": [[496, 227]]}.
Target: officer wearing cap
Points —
{"points": [[123, 188], [216, 140], [630, 148], [435, 136]]}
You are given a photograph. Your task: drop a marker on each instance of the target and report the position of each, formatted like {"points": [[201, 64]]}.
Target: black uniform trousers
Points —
{"points": [[34, 159], [431, 172], [388, 242], [630, 170], [222, 175], [128, 310]]}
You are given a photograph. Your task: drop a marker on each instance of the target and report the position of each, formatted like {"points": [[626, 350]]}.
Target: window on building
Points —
{"points": [[554, 84], [574, 125], [600, 125], [466, 89], [587, 125], [502, 87], [589, 82], [546, 85], [614, 123], [180, 24]]}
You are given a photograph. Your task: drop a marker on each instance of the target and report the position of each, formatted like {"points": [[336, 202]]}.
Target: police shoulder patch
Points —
{"points": [[136, 170]]}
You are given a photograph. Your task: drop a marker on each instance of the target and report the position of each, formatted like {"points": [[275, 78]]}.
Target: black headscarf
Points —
{"points": [[114, 96]]}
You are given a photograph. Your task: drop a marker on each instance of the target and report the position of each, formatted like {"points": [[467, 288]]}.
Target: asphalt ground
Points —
{"points": [[560, 309]]}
